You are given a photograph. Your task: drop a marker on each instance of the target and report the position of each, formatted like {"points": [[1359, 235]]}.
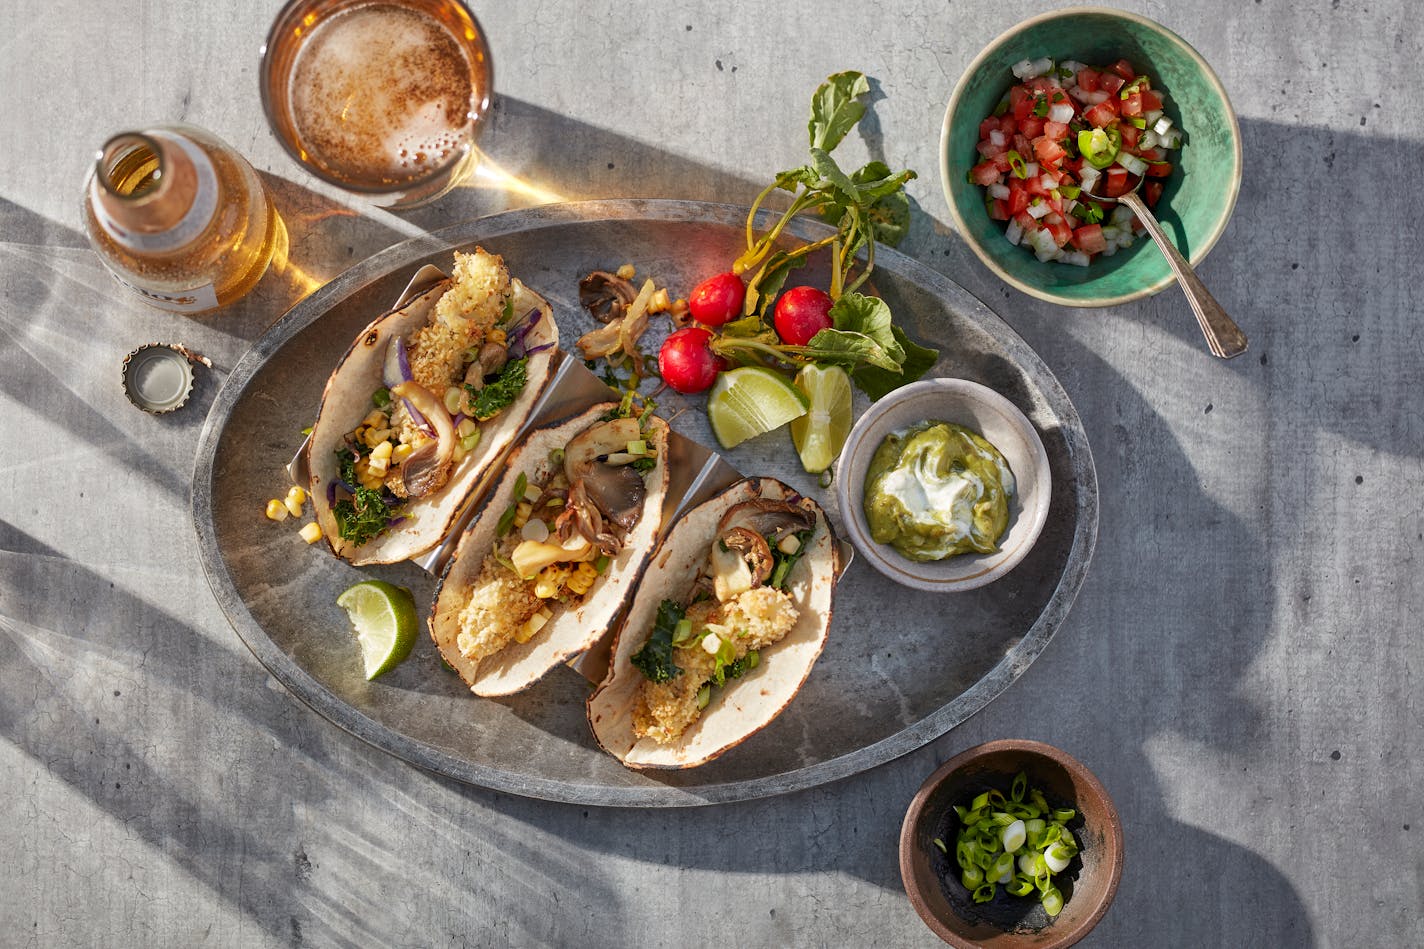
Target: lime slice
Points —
{"points": [[751, 400], [384, 618], [819, 434]]}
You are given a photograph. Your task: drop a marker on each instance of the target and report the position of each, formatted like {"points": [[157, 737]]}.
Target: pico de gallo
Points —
{"points": [[1065, 129]]}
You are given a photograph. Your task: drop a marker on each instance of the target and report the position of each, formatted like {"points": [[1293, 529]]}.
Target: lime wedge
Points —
{"points": [[819, 434], [751, 400], [384, 618]]}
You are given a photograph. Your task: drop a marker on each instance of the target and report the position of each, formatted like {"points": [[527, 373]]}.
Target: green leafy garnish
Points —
{"points": [[381, 397], [365, 514], [495, 396], [654, 660], [1088, 212], [781, 563]]}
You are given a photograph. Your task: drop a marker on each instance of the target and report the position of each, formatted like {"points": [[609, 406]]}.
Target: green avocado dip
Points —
{"points": [[935, 490]]}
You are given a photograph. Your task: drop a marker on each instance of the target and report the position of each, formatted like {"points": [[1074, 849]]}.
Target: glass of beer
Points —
{"points": [[384, 98]]}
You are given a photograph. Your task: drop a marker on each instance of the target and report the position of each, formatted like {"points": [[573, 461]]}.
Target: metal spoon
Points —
{"points": [[1223, 337]]}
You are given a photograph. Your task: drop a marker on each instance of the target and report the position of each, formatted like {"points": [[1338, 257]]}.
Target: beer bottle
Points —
{"points": [[180, 218]]}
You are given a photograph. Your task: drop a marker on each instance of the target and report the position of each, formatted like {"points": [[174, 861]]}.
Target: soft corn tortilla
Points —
{"points": [[571, 631], [743, 706], [347, 400]]}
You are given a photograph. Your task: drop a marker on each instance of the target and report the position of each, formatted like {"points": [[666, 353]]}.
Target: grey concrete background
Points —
{"points": [[1238, 669]]}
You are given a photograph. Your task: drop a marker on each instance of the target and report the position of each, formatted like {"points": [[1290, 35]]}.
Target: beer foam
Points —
{"points": [[381, 94]]}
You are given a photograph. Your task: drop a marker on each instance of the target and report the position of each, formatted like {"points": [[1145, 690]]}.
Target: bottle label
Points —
{"points": [[200, 212], [195, 300]]}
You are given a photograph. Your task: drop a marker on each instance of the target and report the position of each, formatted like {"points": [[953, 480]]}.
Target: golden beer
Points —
{"points": [[380, 97]]}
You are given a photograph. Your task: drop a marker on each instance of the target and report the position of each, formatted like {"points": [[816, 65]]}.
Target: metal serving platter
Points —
{"points": [[900, 668]]}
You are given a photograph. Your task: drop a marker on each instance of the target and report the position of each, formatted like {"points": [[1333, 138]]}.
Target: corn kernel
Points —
{"points": [[311, 533], [297, 494], [374, 436], [660, 302], [522, 512], [530, 627], [626, 271], [550, 581], [377, 419], [401, 453], [496, 335], [276, 510], [292, 507], [382, 452], [380, 461], [581, 579]]}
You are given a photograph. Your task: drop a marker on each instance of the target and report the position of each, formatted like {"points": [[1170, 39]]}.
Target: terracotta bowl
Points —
{"points": [[931, 877], [979, 409]]}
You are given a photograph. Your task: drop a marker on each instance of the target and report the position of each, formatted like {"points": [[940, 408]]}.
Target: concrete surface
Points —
{"points": [[1238, 669]]}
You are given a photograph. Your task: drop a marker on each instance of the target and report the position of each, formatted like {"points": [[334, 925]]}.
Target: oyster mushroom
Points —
{"points": [[774, 520], [617, 491], [428, 468], [581, 517], [606, 296], [491, 359], [741, 561]]}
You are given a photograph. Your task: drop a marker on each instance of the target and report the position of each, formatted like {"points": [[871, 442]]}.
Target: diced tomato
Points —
{"points": [[1089, 239], [1055, 131], [1150, 154], [1132, 105], [1100, 115], [1025, 221], [1048, 151], [988, 149], [1111, 83], [1061, 232], [1053, 217], [1041, 84], [1020, 103], [1031, 127], [1124, 69], [1018, 197], [991, 124], [1089, 79], [1022, 145], [1073, 166], [1034, 186], [1008, 125], [984, 173], [998, 210], [1129, 136], [1114, 182], [1151, 192], [1159, 170], [1151, 101]]}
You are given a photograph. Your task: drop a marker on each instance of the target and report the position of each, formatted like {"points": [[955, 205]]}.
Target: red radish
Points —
{"points": [[801, 313], [686, 361], [717, 300]]}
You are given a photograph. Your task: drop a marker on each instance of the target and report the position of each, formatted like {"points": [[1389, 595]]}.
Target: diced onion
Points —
{"points": [[1162, 125], [1121, 215], [1030, 170], [1075, 257], [1132, 163], [1172, 138], [1014, 233], [1151, 116], [1062, 112], [997, 138], [1039, 210], [1147, 139], [1047, 182], [1030, 69], [1095, 98], [998, 191], [1089, 178]]}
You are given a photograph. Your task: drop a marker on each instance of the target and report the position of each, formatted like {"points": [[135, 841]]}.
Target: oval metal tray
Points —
{"points": [[900, 669]]}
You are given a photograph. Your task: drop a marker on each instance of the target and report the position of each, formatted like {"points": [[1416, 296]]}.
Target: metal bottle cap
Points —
{"points": [[158, 377]]}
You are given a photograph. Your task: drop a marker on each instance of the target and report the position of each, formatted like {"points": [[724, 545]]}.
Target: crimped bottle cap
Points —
{"points": [[158, 377]]}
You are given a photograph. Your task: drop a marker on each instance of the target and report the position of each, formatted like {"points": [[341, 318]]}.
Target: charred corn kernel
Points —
{"points": [[374, 436], [401, 453], [581, 578], [382, 452], [276, 510], [550, 581], [377, 419], [297, 494], [531, 626], [454, 400], [660, 302], [522, 512], [626, 271], [496, 335], [789, 544], [311, 533], [679, 308], [467, 427], [359, 433]]}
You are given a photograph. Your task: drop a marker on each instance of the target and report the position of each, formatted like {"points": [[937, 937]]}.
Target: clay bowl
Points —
{"points": [[931, 877]]}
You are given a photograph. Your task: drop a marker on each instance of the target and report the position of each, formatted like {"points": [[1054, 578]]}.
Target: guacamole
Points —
{"points": [[935, 490]]}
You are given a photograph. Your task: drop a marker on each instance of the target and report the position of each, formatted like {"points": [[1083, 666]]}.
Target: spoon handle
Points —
{"points": [[1223, 337]]}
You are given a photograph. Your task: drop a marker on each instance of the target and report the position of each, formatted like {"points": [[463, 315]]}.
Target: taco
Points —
{"points": [[421, 406], [544, 570], [723, 630]]}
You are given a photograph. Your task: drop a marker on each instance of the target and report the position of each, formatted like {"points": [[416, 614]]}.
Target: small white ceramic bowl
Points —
{"points": [[979, 409]]}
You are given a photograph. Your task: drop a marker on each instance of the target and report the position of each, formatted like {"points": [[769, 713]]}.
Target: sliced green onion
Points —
{"points": [[639, 447], [682, 632], [1064, 814], [980, 802], [469, 442], [1002, 870], [972, 877], [1052, 901], [1013, 837], [940, 844], [601, 564], [1057, 857], [1015, 840], [1020, 886], [520, 483], [984, 893], [381, 397], [753, 658], [556, 456], [704, 695]]}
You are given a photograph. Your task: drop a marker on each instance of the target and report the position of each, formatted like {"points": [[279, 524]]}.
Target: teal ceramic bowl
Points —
{"points": [[1197, 199]]}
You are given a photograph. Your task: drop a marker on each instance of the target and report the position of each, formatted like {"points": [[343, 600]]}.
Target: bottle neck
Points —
{"points": [[153, 191]]}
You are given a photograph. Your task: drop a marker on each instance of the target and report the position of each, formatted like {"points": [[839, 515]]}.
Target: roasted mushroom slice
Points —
{"points": [[491, 359], [741, 561], [774, 520], [616, 490], [428, 468], [606, 296]]}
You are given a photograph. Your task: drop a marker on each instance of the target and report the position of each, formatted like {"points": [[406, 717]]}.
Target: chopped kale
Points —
{"points": [[654, 660], [495, 396], [366, 513]]}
